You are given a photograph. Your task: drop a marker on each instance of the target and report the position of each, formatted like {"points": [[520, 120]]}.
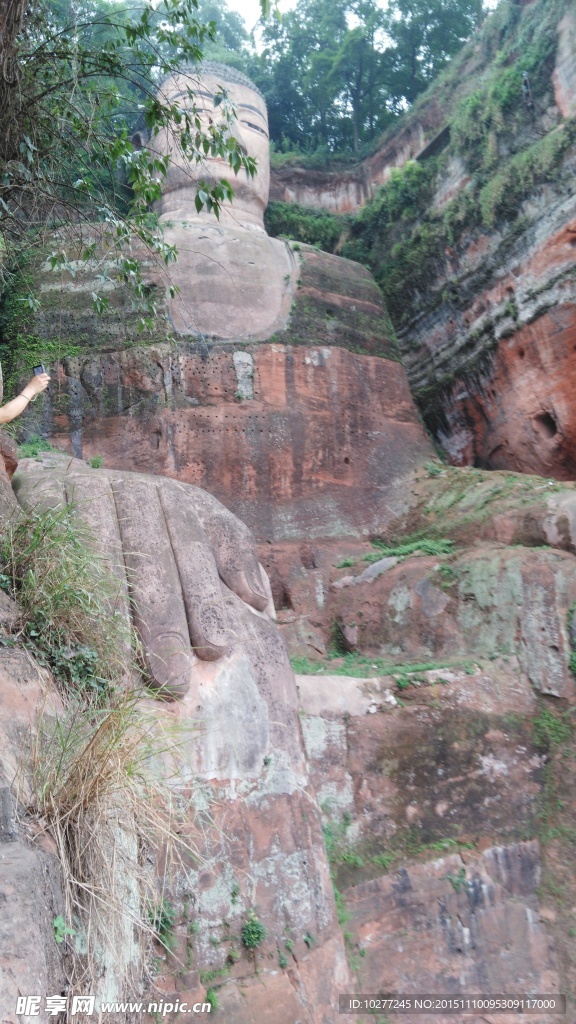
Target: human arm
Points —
{"points": [[17, 406]]}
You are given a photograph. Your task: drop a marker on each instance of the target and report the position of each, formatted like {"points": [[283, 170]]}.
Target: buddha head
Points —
{"points": [[233, 282], [199, 87]]}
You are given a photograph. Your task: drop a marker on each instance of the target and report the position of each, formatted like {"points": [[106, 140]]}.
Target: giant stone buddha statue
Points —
{"points": [[235, 282], [189, 580], [300, 418]]}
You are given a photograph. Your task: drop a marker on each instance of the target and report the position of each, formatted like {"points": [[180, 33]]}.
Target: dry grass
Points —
{"points": [[98, 779], [95, 784]]}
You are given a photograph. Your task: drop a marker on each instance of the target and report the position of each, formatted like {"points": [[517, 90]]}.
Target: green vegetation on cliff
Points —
{"points": [[48, 564], [313, 227], [505, 142], [21, 346]]}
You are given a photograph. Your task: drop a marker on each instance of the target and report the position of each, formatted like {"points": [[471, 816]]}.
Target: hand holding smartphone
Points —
{"points": [[39, 382]]}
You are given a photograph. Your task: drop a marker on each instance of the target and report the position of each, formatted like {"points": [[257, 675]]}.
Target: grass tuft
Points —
{"points": [[253, 932], [91, 785], [427, 546], [31, 448], [68, 597]]}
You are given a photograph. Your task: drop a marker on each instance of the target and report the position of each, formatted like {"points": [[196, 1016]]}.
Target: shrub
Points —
{"points": [[32, 447], [313, 227], [253, 932]]}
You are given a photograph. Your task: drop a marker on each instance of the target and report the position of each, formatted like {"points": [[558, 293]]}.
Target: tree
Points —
{"points": [[335, 72], [361, 69], [294, 73], [425, 35], [231, 42]]}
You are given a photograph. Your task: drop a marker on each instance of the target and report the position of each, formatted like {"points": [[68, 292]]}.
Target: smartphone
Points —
{"points": [[39, 369]]}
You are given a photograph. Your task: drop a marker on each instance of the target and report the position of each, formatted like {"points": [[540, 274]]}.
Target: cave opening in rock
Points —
{"points": [[545, 425]]}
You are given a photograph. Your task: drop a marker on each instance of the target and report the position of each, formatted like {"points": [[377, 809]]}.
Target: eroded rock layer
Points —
{"points": [[305, 441], [509, 404]]}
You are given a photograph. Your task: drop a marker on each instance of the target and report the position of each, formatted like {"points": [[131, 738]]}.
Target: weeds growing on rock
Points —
{"points": [[551, 729], [67, 599], [91, 782], [32, 447], [458, 882], [361, 665], [162, 917], [253, 932], [424, 546], [91, 786], [212, 999]]}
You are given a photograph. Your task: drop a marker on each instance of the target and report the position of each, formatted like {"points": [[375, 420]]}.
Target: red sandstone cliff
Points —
{"points": [[480, 281]]}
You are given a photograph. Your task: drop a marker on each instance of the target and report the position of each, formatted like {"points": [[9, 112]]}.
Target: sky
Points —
{"points": [[250, 9]]}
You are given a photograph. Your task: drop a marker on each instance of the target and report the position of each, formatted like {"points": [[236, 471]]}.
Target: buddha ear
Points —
{"points": [[139, 139]]}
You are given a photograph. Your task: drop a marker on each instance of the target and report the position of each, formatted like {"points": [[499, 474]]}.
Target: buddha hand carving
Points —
{"points": [[176, 554]]}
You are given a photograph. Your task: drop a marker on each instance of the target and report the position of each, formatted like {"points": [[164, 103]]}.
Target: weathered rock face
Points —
{"points": [[565, 70], [418, 761], [30, 885], [481, 289], [440, 758], [486, 599], [262, 854], [347, 191], [488, 342], [515, 409], [306, 441], [299, 436], [480, 934], [534, 430], [447, 764], [485, 602]]}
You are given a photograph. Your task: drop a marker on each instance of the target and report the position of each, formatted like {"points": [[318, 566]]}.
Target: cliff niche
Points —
{"points": [[391, 812]]}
